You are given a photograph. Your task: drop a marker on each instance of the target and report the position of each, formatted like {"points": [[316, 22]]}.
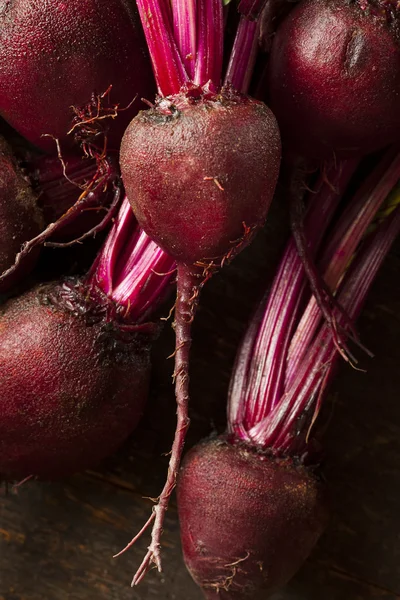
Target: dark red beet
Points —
{"points": [[248, 521], [335, 77], [72, 385], [20, 217], [54, 55], [200, 174]]}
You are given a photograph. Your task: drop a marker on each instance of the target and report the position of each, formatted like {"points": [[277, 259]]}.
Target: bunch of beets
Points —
{"points": [[145, 140]]}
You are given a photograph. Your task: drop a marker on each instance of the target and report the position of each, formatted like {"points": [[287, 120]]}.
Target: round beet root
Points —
{"points": [[54, 55], [20, 217], [200, 173], [259, 515], [72, 384], [335, 77]]}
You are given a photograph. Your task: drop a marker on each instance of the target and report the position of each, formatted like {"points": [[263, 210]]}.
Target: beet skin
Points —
{"points": [[248, 521], [20, 217], [56, 54], [200, 174], [335, 77], [72, 385]]}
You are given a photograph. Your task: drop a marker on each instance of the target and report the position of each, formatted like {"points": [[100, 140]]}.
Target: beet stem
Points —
{"points": [[323, 295], [130, 268], [285, 427], [124, 229], [260, 365], [210, 39], [185, 32], [169, 70], [188, 288], [347, 234], [243, 56], [323, 353], [275, 411]]}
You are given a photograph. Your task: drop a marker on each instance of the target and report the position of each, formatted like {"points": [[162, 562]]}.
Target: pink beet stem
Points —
{"points": [[347, 235], [131, 269], [185, 32], [322, 354], [169, 70], [260, 366], [210, 38], [265, 408], [243, 55]]}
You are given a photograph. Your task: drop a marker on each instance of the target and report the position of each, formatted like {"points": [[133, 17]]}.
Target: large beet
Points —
{"points": [[72, 384], [54, 55], [248, 521], [200, 173], [335, 77]]}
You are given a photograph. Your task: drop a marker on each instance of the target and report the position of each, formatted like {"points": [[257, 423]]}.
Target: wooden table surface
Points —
{"points": [[57, 539]]}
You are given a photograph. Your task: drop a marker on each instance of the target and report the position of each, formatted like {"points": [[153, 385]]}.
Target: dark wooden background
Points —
{"points": [[57, 539]]}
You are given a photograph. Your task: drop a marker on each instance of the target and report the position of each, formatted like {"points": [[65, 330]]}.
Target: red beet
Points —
{"points": [[20, 217], [237, 549], [200, 173], [54, 55], [72, 384], [335, 77]]}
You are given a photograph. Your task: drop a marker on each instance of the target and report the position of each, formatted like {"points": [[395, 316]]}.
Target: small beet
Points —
{"points": [[20, 217], [265, 517], [335, 77], [55, 55], [200, 173], [72, 384]]}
